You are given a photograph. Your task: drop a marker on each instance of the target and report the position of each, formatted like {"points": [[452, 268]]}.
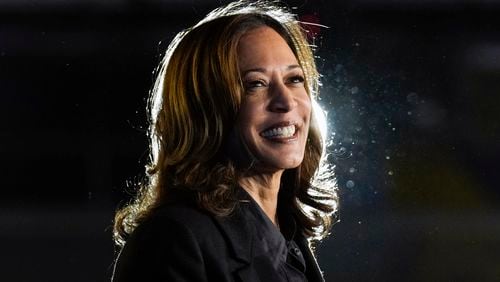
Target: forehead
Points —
{"points": [[264, 45]]}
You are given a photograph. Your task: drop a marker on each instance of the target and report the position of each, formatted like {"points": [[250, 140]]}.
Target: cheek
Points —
{"points": [[249, 113], [247, 120], [307, 109]]}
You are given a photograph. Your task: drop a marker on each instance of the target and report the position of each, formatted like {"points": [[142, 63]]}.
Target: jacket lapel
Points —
{"points": [[239, 234], [313, 272]]}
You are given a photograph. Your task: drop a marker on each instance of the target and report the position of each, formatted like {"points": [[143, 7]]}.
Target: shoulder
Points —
{"points": [[173, 242], [178, 221], [183, 218], [181, 212]]}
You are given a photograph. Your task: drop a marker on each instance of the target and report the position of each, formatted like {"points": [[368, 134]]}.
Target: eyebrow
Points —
{"points": [[263, 70]]}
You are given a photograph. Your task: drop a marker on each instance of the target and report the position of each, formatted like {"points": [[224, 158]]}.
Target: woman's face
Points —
{"points": [[275, 110]]}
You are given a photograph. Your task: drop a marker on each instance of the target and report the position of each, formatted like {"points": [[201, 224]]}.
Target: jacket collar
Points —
{"points": [[313, 272], [238, 232]]}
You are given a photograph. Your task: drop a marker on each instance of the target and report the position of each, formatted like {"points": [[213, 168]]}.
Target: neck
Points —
{"points": [[264, 189]]}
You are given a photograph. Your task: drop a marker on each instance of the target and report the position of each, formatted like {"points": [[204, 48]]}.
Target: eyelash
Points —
{"points": [[251, 85], [297, 79], [255, 84]]}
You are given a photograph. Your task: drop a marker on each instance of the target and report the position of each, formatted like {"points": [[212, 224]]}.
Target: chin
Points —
{"points": [[280, 163]]}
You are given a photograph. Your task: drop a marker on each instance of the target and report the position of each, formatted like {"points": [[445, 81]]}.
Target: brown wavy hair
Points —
{"points": [[193, 107]]}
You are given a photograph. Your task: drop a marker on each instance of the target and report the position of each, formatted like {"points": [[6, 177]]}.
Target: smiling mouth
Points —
{"points": [[280, 132]]}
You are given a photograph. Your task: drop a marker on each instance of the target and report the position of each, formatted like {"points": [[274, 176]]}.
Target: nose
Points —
{"points": [[282, 99]]}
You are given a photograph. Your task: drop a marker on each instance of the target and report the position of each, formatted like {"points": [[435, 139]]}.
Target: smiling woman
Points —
{"points": [[233, 191]]}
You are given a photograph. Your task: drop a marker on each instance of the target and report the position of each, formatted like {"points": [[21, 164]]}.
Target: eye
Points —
{"points": [[296, 79], [253, 85]]}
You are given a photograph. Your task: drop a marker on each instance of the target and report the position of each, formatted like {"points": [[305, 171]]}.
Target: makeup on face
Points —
{"points": [[275, 112]]}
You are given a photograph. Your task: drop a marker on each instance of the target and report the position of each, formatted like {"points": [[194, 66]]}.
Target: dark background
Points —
{"points": [[412, 92]]}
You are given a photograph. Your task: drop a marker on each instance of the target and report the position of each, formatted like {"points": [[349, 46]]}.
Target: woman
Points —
{"points": [[235, 149]]}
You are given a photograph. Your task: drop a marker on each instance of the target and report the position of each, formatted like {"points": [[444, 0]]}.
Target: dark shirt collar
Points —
{"points": [[287, 223], [272, 240]]}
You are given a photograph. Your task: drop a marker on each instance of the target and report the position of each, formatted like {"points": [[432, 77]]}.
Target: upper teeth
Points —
{"points": [[286, 131]]}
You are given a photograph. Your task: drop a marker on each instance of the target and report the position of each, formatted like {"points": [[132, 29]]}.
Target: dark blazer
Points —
{"points": [[182, 243]]}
